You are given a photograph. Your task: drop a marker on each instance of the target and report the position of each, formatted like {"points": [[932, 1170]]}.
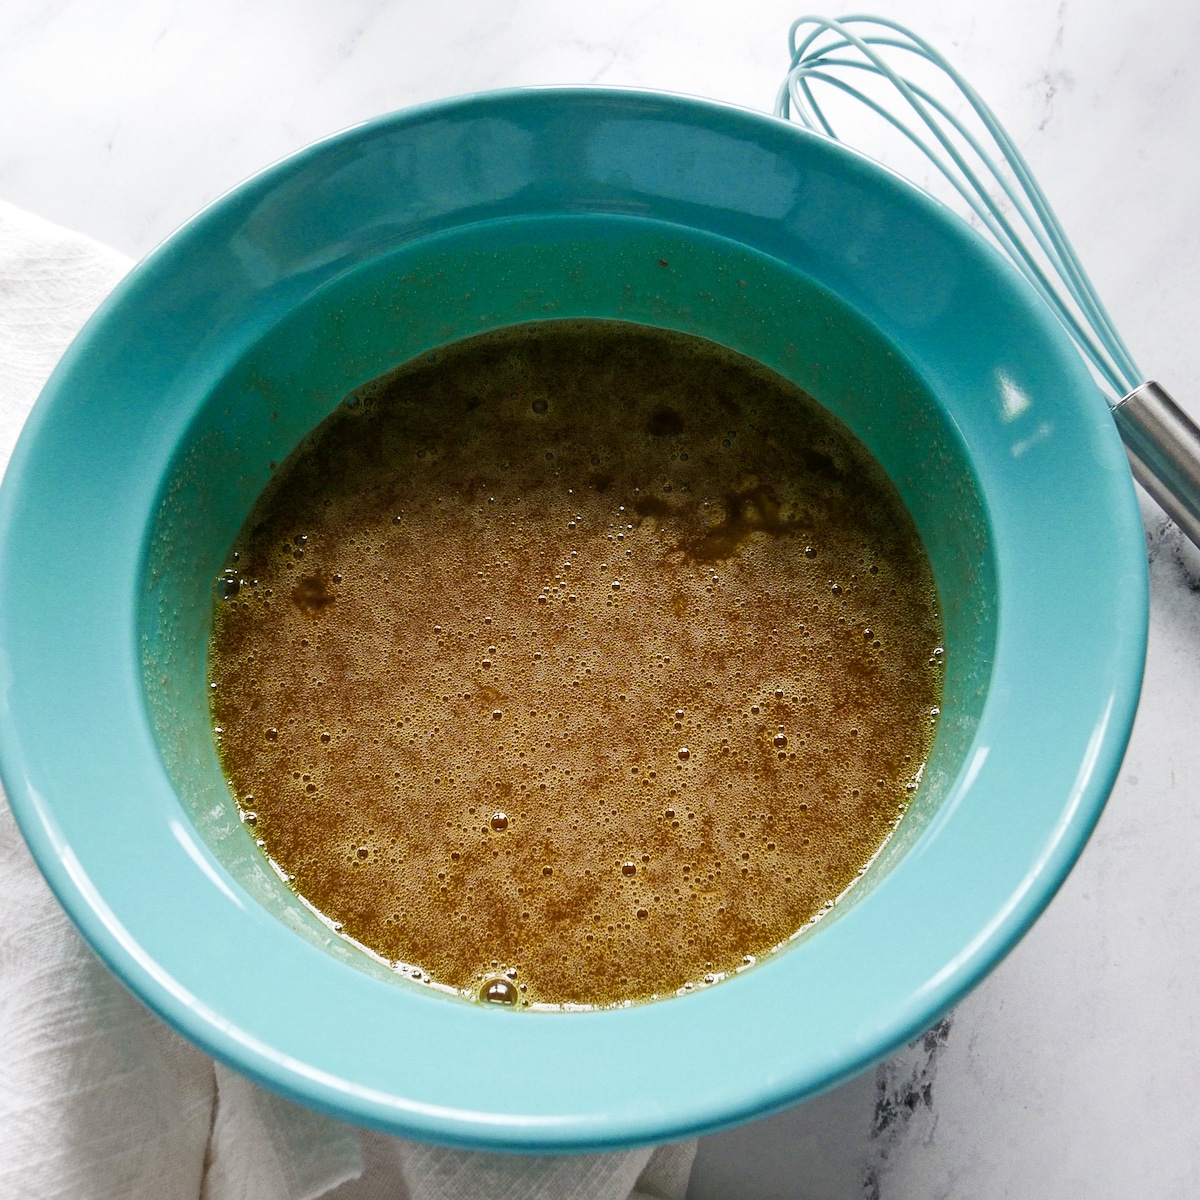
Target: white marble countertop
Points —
{"points": [[1074, 1070]]}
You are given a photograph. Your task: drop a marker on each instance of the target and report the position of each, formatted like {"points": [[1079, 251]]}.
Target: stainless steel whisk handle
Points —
{"points": [[1163, 445]]}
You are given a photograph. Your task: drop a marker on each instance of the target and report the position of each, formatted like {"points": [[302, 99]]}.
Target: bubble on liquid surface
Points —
{"points": [[499, 822], [499, 991]]}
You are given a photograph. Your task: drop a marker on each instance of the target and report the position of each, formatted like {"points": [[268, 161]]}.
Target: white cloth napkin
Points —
{"points": [[98, 1099]]}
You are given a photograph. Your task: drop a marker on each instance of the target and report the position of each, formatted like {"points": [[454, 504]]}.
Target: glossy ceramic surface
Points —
{"points": [[219, 352]]}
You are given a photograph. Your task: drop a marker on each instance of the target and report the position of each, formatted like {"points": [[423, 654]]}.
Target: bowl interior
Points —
{"points": [[218, 353], [410, 300]]}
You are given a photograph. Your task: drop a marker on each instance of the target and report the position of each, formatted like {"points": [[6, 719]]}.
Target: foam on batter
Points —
{"points": [[575, 664]]}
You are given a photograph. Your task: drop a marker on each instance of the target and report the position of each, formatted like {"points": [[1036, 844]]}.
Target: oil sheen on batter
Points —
{"points": [[575, 664]]}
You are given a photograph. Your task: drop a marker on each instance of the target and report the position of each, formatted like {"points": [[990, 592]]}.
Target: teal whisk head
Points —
{"points": [[908, 84], [897, 75]]}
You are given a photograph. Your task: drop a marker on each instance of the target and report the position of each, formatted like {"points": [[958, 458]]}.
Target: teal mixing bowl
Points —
{"points": [[217, 354]]}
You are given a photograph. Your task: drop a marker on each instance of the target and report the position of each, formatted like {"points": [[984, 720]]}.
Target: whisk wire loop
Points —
{"points": [[821, 57], [969, 188]]}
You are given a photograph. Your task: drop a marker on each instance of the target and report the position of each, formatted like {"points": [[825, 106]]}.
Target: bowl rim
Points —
{"points": [[771, 1078]]}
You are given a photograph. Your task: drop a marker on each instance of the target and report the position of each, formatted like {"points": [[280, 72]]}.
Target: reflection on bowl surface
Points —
{"points": [[221, 351]]}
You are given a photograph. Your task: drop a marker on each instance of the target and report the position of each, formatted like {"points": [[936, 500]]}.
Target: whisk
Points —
{"points": [[983, 165]]}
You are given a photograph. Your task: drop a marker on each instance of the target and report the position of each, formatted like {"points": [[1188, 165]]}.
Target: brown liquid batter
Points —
{"points": [[576, 663]]}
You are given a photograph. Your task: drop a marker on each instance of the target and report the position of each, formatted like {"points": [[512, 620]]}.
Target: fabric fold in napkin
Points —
{"points": [[98, 1099]]}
